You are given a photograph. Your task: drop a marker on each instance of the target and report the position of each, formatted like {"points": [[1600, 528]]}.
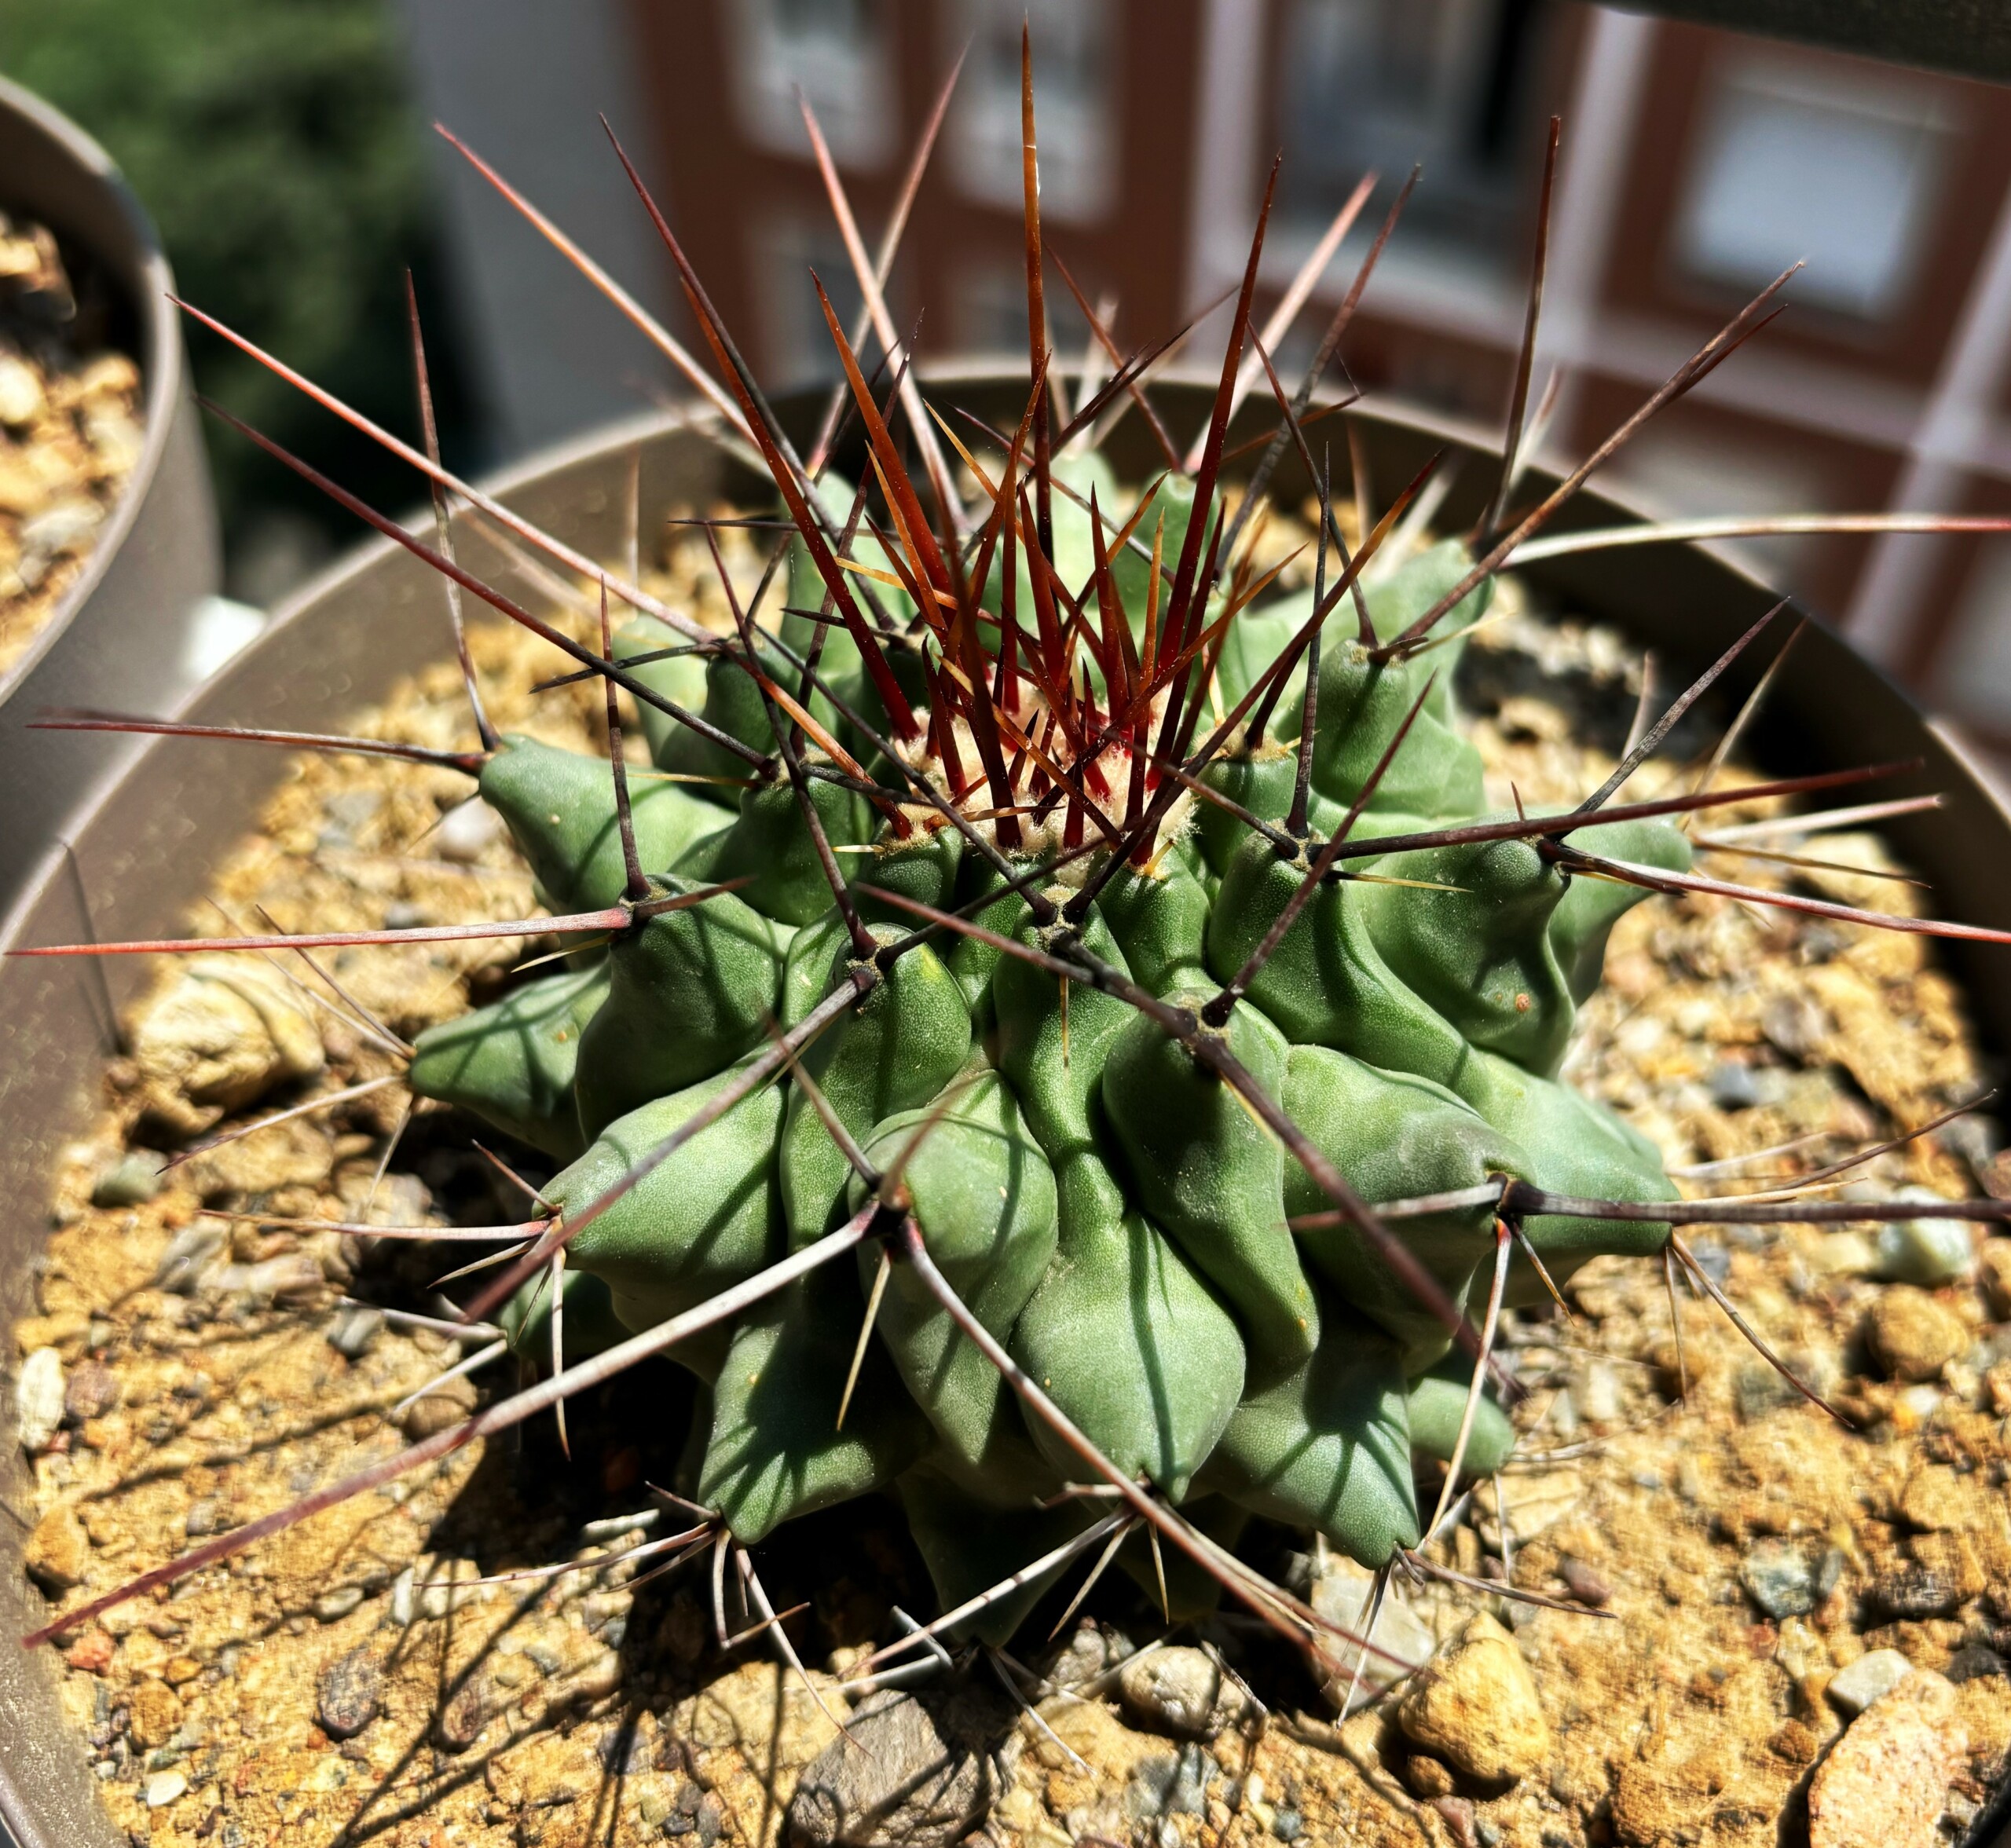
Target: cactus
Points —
{"points": [[984, 1078]]}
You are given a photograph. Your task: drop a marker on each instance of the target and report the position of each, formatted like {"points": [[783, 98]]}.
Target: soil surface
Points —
{"points": [[1741, 1562], [69, 432]]}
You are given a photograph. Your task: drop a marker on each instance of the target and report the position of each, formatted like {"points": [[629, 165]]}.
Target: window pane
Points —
{"points": [[1787, 168], [836, 52], [1075, 104]]}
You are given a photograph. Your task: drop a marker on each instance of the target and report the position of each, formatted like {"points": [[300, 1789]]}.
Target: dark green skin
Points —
{"points": [[969, 1549], [1328, 1446], [768, 846], [1109, 1210], [1327, 983], [1437, 1404], [1205, 1170], [982, 1191], [1190, 1592], [1122, 1334], [559, 808], [688, 993], [893, 1051], [680, 678], [924, 868], [512, 1062], [775, 1451], [590, 1328], [1395, 1137], [1572, 1146], [1585, 915], [1160, 919], [1479, 956], [699, 1223], [1437, 773]]}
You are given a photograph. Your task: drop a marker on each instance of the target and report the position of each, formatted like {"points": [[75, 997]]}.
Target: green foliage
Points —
{"points": [[270, 141]]}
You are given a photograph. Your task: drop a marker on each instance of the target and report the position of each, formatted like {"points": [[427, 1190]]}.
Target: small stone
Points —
{"points": [[163, 1787], [154, 1714], [465, 833], [1976, 1662], [1785, 1580], [1928, 1252], [428, 1417], [462, 1719], [1598, 1396], [38, 1400], [1287, 1824], [331, 1606], [91, 1391], [1731, 1085], [1458, 1813], [353, 1330], [1872, 1675], [223, 1035], [1913, 1337], [1476, 1707], [132, 1180], [1887, 1780], [21, 396], [91, 1652], [58, 1554], [1797, 1024], [345, 1697], [1994, 1268], [1914, 1592], [402, 914], [1585, 1584], [1180, 1691], [1341, 1593], [202, 1517], [909, 1784], [1427, 1777]]}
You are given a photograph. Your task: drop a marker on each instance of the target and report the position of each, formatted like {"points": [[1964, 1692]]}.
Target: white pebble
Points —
{"points": [[21, 396], [163, 1787], [1872, 1675], [465, 833], [1928, 1252], [39, 1398]]}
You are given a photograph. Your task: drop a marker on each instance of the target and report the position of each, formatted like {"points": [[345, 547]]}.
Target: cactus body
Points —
{"points": [[1105, 1205]]}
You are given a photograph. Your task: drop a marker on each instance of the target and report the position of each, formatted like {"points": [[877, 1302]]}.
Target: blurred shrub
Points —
{"points": [[272, 142]]}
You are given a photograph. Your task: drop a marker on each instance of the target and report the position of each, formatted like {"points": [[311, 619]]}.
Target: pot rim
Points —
{"points": [[143, 272]]}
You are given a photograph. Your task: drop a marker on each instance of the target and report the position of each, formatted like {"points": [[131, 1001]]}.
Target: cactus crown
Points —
{"points": [[1058, 1011]]}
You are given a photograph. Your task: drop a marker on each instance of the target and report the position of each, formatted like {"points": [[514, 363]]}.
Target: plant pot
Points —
{"points": [[133, 629], [147, 845]]}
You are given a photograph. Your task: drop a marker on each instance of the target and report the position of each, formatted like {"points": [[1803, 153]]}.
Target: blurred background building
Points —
{"points": [[1697, 163]]}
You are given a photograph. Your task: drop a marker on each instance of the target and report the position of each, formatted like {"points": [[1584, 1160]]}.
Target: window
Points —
{"points": [[1075, 104], [799, 349], [1972, 674], [838, 53], [1795, 164], [1386, 84]]}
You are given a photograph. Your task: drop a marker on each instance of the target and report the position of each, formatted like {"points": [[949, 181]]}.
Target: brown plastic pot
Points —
{"points": [[129, 632], [147, 847]]}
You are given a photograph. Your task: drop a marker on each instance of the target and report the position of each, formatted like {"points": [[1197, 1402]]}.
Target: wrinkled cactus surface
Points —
{"points": [[1108, 1208]]}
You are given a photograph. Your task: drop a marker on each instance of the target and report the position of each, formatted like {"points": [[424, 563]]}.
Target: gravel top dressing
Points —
{"points": [[70, 433], [1786, 1616]]}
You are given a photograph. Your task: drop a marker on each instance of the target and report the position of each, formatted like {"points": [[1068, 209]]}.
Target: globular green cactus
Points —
{"points": [[1110, 1209]]}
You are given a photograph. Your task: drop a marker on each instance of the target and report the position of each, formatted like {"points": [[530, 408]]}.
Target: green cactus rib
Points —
{"points": [[1104, 1206]]}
